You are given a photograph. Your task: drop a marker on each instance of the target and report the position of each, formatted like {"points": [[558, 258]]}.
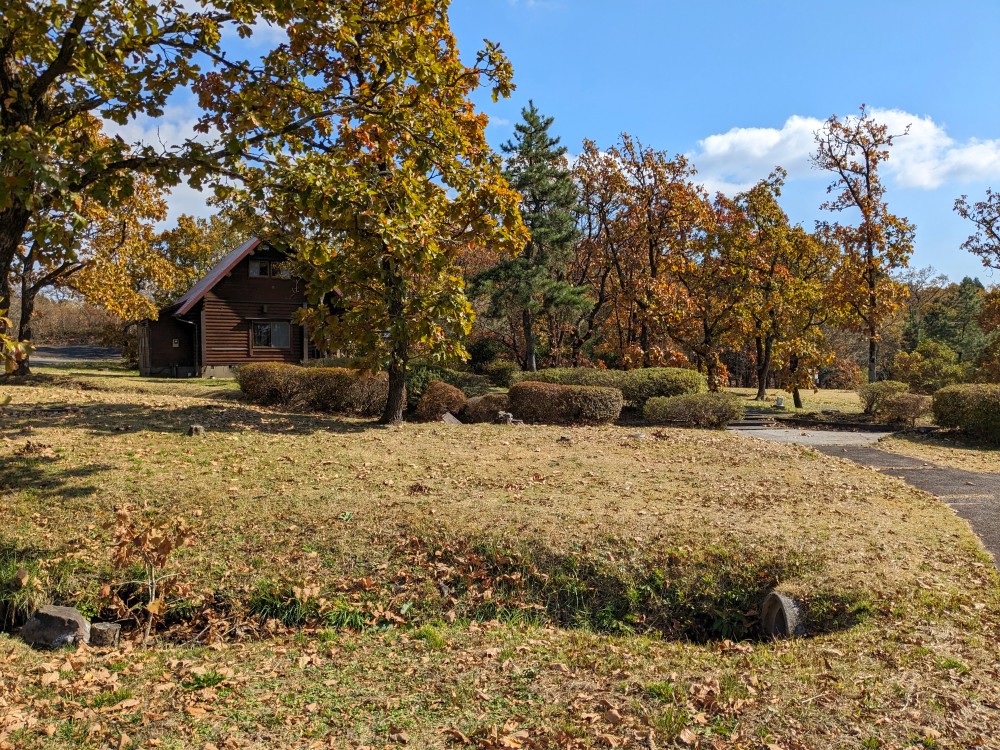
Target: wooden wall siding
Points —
{"points": [[162, 353], [239, 299]]}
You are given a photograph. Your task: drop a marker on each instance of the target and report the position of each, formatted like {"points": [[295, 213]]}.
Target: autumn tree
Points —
{"points": [[788, 271], [985, 216], [401, 190], [852, 149], [535, 282], [63, 60], [699, 298]]}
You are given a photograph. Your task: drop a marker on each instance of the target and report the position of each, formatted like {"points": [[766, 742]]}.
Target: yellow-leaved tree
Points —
{"points": [[379, 216]]}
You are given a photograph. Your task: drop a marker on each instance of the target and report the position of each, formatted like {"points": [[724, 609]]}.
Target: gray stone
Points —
{"points": [[504, 417], [196, 430], [52, 627], [449, 418], [105, 633]]}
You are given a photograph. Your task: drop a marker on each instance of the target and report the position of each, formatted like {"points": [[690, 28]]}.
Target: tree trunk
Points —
{"points": [[793, 368], [394, 405], [13, 222], [765, 351], [395, 295], [872, 357], [528, 323], [28, 294]]}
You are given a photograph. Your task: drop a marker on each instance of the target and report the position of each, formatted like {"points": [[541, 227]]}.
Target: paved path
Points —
{"points": [[975, 496], [75, 354]]}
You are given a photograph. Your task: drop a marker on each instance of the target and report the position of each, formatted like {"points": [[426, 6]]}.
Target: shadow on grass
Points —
{"points": [[946, 438], [46, 477], [215, 416]]}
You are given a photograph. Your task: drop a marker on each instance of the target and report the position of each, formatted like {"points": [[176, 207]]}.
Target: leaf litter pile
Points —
{"points": [[341, 585]]}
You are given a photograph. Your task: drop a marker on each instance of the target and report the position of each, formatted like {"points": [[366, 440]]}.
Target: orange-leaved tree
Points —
{"points": [[853, 148]]}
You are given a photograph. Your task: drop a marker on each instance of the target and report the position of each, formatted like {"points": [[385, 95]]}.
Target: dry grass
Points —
{"points": [[310, 500], [945, 449], [812, 401]]}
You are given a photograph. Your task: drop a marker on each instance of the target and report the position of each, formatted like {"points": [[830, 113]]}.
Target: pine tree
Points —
{"points": [[533, 284]]}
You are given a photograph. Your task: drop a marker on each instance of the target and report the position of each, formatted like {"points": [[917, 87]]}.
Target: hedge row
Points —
{"points": [[550, 403], [332, 389], [637, 386], [974, 409], [711, 410]]}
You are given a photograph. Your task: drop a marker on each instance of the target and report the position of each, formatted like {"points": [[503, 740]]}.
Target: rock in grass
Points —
{"points": [[53, 627], [105, 634], [449, 418], [196, 430]]}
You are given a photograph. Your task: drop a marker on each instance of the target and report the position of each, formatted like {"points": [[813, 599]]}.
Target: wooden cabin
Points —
{"points": [[240, 312]]}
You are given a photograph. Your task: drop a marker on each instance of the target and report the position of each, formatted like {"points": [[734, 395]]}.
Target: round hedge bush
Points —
{"points": [[637, 386], [551, 403], [973, 408], [484, 409], [873, 394], [438, 398], [903, 408], [711, 410]]}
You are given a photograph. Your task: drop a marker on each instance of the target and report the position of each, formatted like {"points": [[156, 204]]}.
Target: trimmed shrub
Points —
{"points": [[438, 398], [331, 389], [501, 372], [483, 409], [974, 409], [418, 377], [712, 410], [550, 403], [903, 408], [268, 383], [873, 394], [636, 385], [642, 385]]}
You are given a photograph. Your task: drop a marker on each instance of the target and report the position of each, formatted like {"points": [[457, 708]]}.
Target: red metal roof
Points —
{"points": [[203, 287]]}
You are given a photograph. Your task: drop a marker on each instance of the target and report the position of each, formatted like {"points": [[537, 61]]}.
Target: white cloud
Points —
{"points": [[926, 158]]}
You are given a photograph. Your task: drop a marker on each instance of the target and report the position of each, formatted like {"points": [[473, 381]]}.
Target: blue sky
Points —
{"points": [[739, 86]]}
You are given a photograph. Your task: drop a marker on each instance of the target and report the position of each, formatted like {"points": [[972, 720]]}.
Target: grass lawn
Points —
{"points": [[812, 401], [946, 449], [479, 586]]}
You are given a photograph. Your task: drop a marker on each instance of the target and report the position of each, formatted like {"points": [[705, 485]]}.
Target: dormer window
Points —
{"points": [[269, 269], [260, 269]]}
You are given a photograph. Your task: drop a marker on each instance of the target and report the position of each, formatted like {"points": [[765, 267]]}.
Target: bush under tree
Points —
{"points": [[439, 398], [636, 385], [484, 409], [873, 394], [550, 403], [707, 410]]}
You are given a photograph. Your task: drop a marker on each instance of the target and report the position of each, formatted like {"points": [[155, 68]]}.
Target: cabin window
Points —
{"points": [[275, 269], [259, 268], [272, 334]]}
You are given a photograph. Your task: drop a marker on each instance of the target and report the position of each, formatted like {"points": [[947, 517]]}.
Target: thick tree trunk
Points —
{"points": [[765, 352], [28, 295], [13, 222], [528, 324], [796, 397], [394, 405]]}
